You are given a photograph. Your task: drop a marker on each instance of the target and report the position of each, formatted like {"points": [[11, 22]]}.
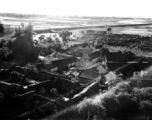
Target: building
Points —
{"points": [[109, 31], [92, 73], [64, 63], [141, 79]]}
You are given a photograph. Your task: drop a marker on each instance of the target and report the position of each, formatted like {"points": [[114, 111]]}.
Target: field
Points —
{"points": [[51, 22], [54, 22], [72, 68]]}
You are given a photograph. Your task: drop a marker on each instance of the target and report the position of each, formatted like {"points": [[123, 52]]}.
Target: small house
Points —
{"points": [[141, 79]]}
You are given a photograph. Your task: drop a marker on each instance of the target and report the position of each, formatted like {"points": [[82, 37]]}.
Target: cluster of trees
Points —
{"points": [[19, 45], [120, 102], [20, 42]]}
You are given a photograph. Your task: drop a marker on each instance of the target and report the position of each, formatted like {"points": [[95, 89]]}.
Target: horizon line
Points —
{"points": [[17, 13]]}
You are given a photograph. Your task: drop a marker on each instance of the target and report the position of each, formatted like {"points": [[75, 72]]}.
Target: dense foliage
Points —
{"points": [[18, 46], [23, 43], [120, 102]]}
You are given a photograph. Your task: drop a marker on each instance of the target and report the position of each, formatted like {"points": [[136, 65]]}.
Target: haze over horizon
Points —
{"points": [[103, 8]]}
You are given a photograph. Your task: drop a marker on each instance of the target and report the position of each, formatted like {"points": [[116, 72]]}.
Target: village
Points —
{"points": [[68, 67]]}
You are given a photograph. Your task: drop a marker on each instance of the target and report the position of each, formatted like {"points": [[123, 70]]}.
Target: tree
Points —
{"points": [[1, 28], [23, 44], [146, 107]]}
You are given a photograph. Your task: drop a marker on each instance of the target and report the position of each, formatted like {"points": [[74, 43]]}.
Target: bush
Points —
{"points": [[84, 63], [5, 54], [2, 41], [140, 94], [146, 107]]}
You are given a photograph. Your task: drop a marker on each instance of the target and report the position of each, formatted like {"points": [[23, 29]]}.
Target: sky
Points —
{"points": [[112, 8]]}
